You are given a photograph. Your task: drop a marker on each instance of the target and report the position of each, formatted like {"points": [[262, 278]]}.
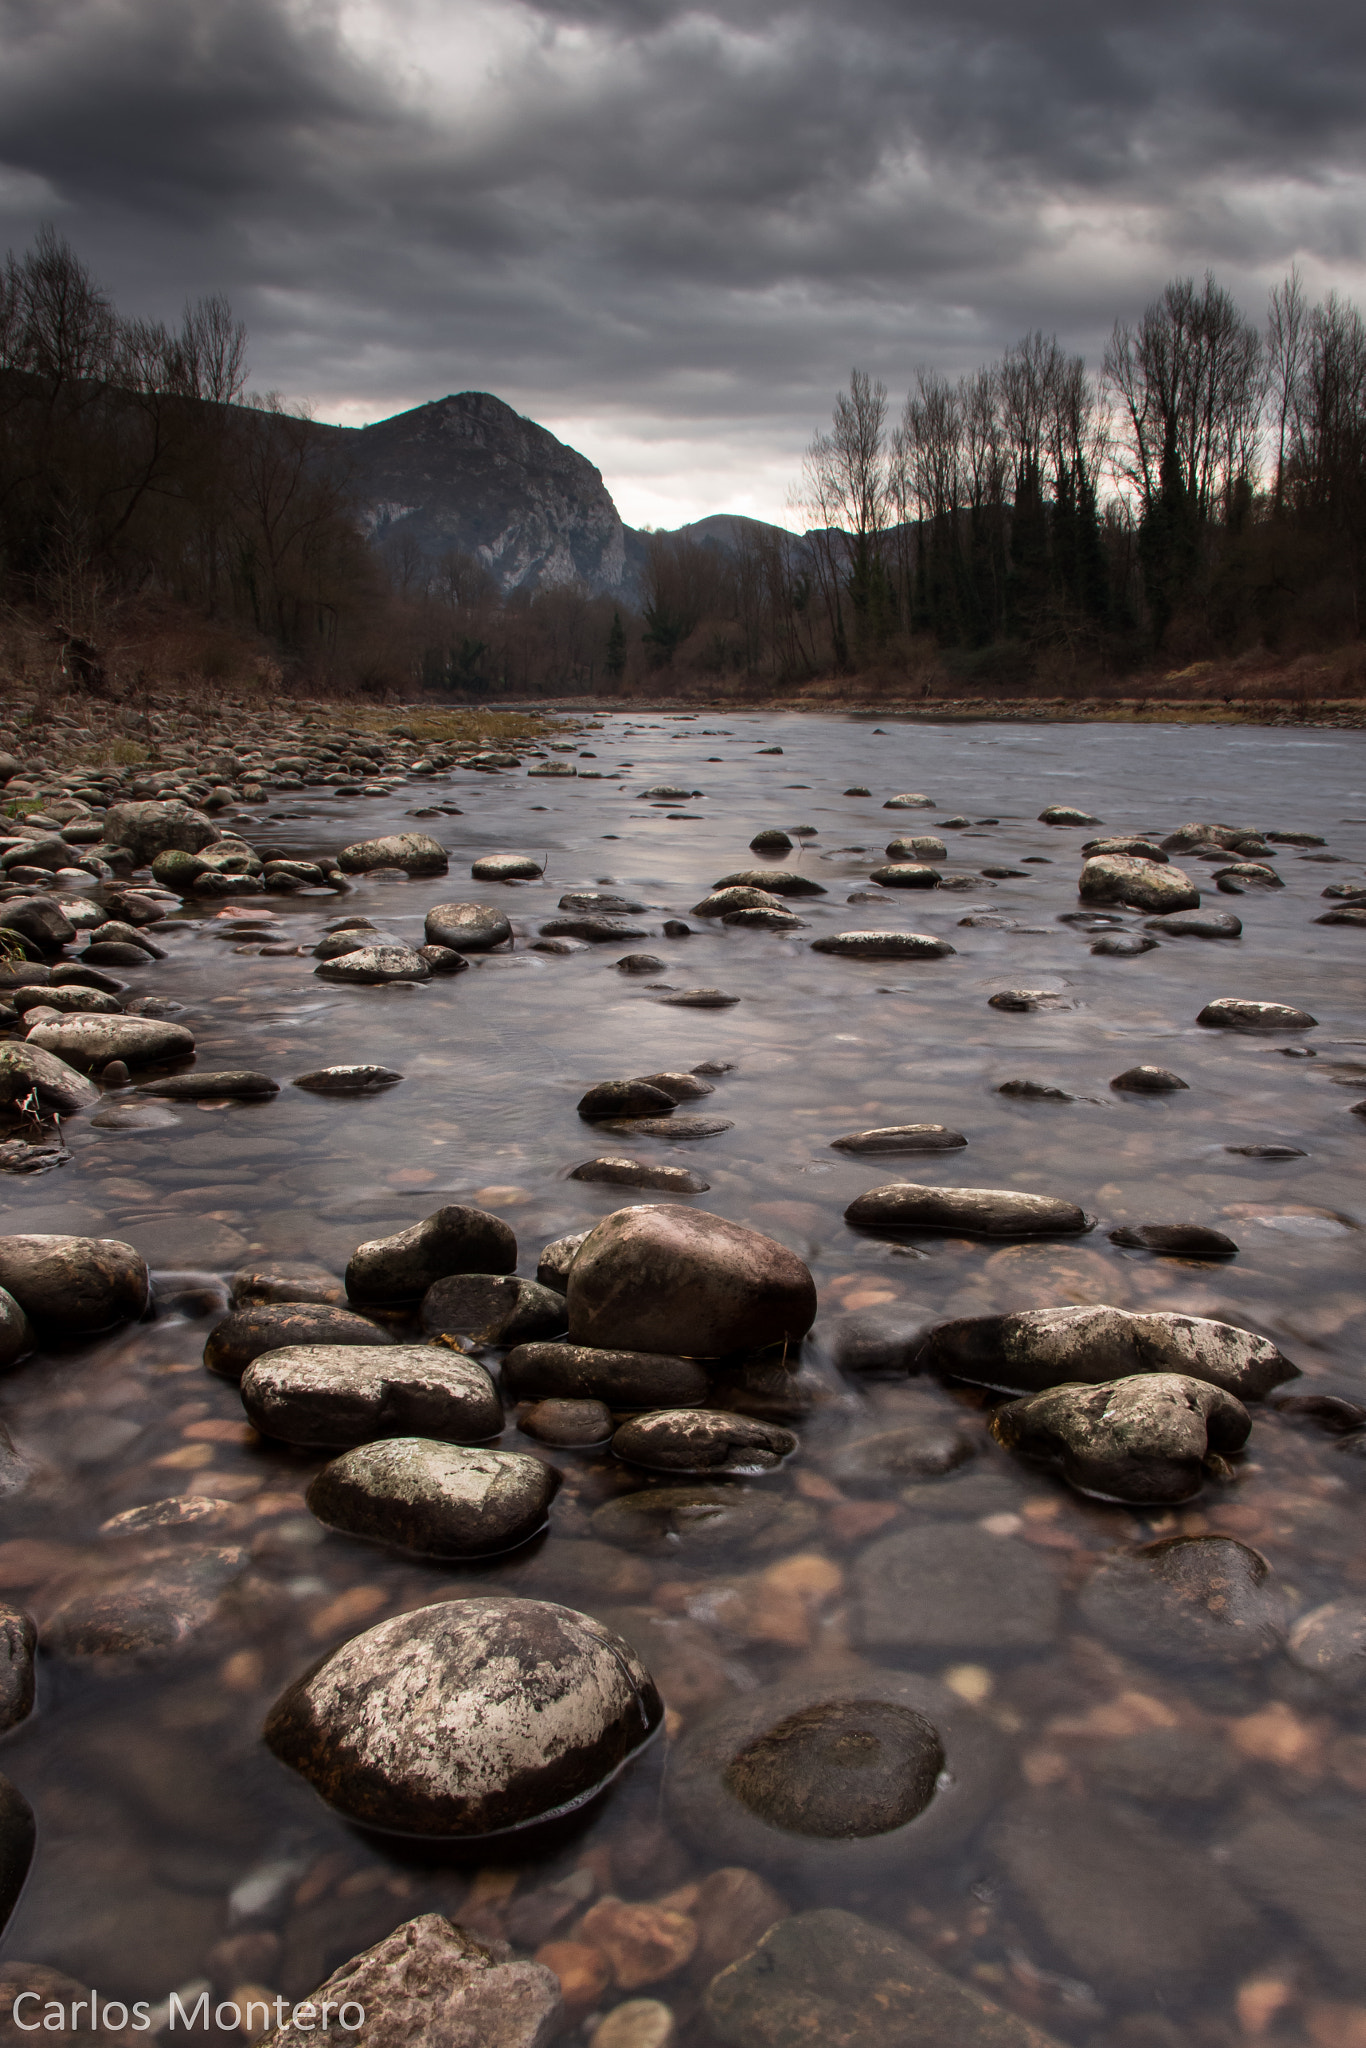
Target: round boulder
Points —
{"points": [[388, 1271], [1140, 1439], [272, 1326], [436, 1499], [1237, 1013], [467, 1718], [415, 852], [1125, 878], [337, 1395], [507, 867], [664, 1278], [466, 927], [74, 1285], [372, 966]]}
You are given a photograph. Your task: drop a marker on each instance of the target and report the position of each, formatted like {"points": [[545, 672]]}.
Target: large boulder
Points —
{"points": [[664, 1278], [966, 1212], [26, 1069], [434, 1498], [467, 1718], [429, 1981], [1125, 878], [1142, 1439], [388, 1271], [845, 1776], [621, 1379], [337, 1395], [74, 1285], [274, 1326], [466, 927], [1037, 1348], [416, 852], [91, 1042], [152, 827]]}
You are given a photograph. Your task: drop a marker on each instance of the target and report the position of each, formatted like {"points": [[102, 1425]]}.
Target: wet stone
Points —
{"points": [[238, 1085], [901, 1138], [1120, 878], [875, 1341], [722, 902], [639, 963], [1236, 1013], [679, 1087], [599, 902], [88, 1042], [926, 1449], [633, 1173], [1034, 1091], [75, 1285], [597, 931], [673, 1127], [1066, 814], [1141, 1439], [770, 840], [777, 881], [466, 927], [1176, 1240], [341, 1395], [1187, 1599], [60, 1087], [1350, 914], [621, 1379], [356, 1080], [764, 921], [1207, 924], [443, 960], [1330, 1641], [1034, 1349], [277, 1280], [507, 867], [390, 1271], [1312, 1870], [904, 1206], [18, 1641], [434, 1498], [145, 1614], [922, 846], [665, 1278], [624, 1098], [954, 1586], [703, 1440], [1168, 1766], [1122, 945], [275, 1325], [417, 853], [371, 966], [467, 1718], [572, 1425], [552, 1268], [492, 1308], [701, 1521], [1148, 1081], [1022, 999], [883, 946], [701, 999], [906, 875]]}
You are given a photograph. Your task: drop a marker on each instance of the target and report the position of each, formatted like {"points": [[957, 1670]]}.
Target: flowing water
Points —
{"points": [[174, 1851]]}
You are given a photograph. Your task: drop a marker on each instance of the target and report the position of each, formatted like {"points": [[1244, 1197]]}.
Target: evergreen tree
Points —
{"points": [[616, 649]]}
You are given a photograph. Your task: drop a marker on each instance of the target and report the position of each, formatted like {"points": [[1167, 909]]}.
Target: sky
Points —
{"points": [[668, 231]]}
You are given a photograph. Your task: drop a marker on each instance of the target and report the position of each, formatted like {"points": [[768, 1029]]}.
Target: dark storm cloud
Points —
{"points": [[640, 208]]}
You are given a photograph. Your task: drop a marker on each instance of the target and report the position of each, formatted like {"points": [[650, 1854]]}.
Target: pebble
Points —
{"points": [[356, 1080], [664, 1278], [392, 1271], [573, 1425], [620, 1379], [901, 1138], [1148, 1081], [904, 1206], [705, 1440], [466, 927], [1237, 1013], [467, 1718], [341, 1395], [1034, 1349], [1202, 1599], [435, 1499], [643, 1942], [272, 1326], [633, 1173], [1140, 1439], [1176, 1240], [638, 2023]]}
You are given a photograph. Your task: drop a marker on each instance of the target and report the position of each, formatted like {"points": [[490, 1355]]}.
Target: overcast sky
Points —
{"points": [[664, 231]]}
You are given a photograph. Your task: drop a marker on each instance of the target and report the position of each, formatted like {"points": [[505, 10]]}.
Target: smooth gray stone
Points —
{"points": [[351, 939], [443, 960], [1330, 1641], [764, 921], [595, 930], [1120, 878], [876, 1340], [1236, 1013], [75, 1285], [884, 946], [1066, 814], [507, 867], [901, 1138], [492, 1308], [777, 881], [26, 1067], [661, 1277], [629, 963], [1349, 913], [620, 1379], [1176, 1240], [703, 1520], [600, 902], [701, 999], [1033, 1349], [357, 1080], [1268, 1151], [91, 1042], [374, 965], [345, 1394], [1187, 1599], [633, 1173], [904, 1206], [1148, 1081], [437, 1499], [624, 1098], [552, 1268], [1206, 924], [417, 853], [1022, 998], [1135, 845], [1122, 946], [770, 840], [1140, 1439], [272, 1326], [1310, 1868], [707, 1440], [906, 875], [954, 1586], [571, 1425], [72, 1002], [909, 802], [679, 1087], [389, 1271], [466, 927], [921, 847], [148, 827], [1252, 872], [849, 1776], [467, 1718], [1228, 838], [676, 1128], [926, 1449], [1034, 1091], [237, 1084], [721, 902], [283, 1280]]}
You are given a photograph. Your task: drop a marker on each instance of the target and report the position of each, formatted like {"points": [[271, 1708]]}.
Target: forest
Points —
{"points": [[1198, 497]]}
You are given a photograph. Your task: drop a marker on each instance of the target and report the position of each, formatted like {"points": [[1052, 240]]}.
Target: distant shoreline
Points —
{"points": [[1342, 716]]}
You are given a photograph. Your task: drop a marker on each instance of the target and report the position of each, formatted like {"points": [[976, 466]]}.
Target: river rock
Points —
{"points": [[70, 1002], [1310, 1867], [904, 1206], [909, 800], [1123, 1903], [388, 1271], [150, 827], [889, 1458], [1066, 814], [1140, 1439], [371, 966], [17, 1837], [620, 1379], [901, 1138], [1123, 946], [764, 921], [770, 840], [922, 846], [829, 1979], [1231, 838], [1121, 878], [633, 963], [1252, 873], [673, 1127], [624, 1098], [1034, 1091], [723, 902], [466, 927], [701, 999], [144, 1613], [599, 901], [357, 1080], [954, 1586], [492, 1308], [883, 946], [1176, 1240], [74, 1285], [41, 921], [507, 867], [632, 1173], [272, 1326], [18, 1641], [875, 1340], [552, 1268], [91, 1042], [703, 1521], [1148, 1081], [1192, 1599], [238, 1084], [351, 939], [664, 1278], [1206, 924], [16, 1332], [679, 1087], [1134, 844], [573, 1425], [1350, 913], [596, 931], [467, 1718], [1330, 1641], [848, 1776], [1238, 1013], [435, 1498], [417, 853], [281, 1280], [777, 881], [25, 1067], [903, 874], [347, 1394], [706, 1440], [1034, 1349]]}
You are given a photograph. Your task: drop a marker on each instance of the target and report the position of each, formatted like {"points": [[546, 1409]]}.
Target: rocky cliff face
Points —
{"points": [[468, 473]]}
